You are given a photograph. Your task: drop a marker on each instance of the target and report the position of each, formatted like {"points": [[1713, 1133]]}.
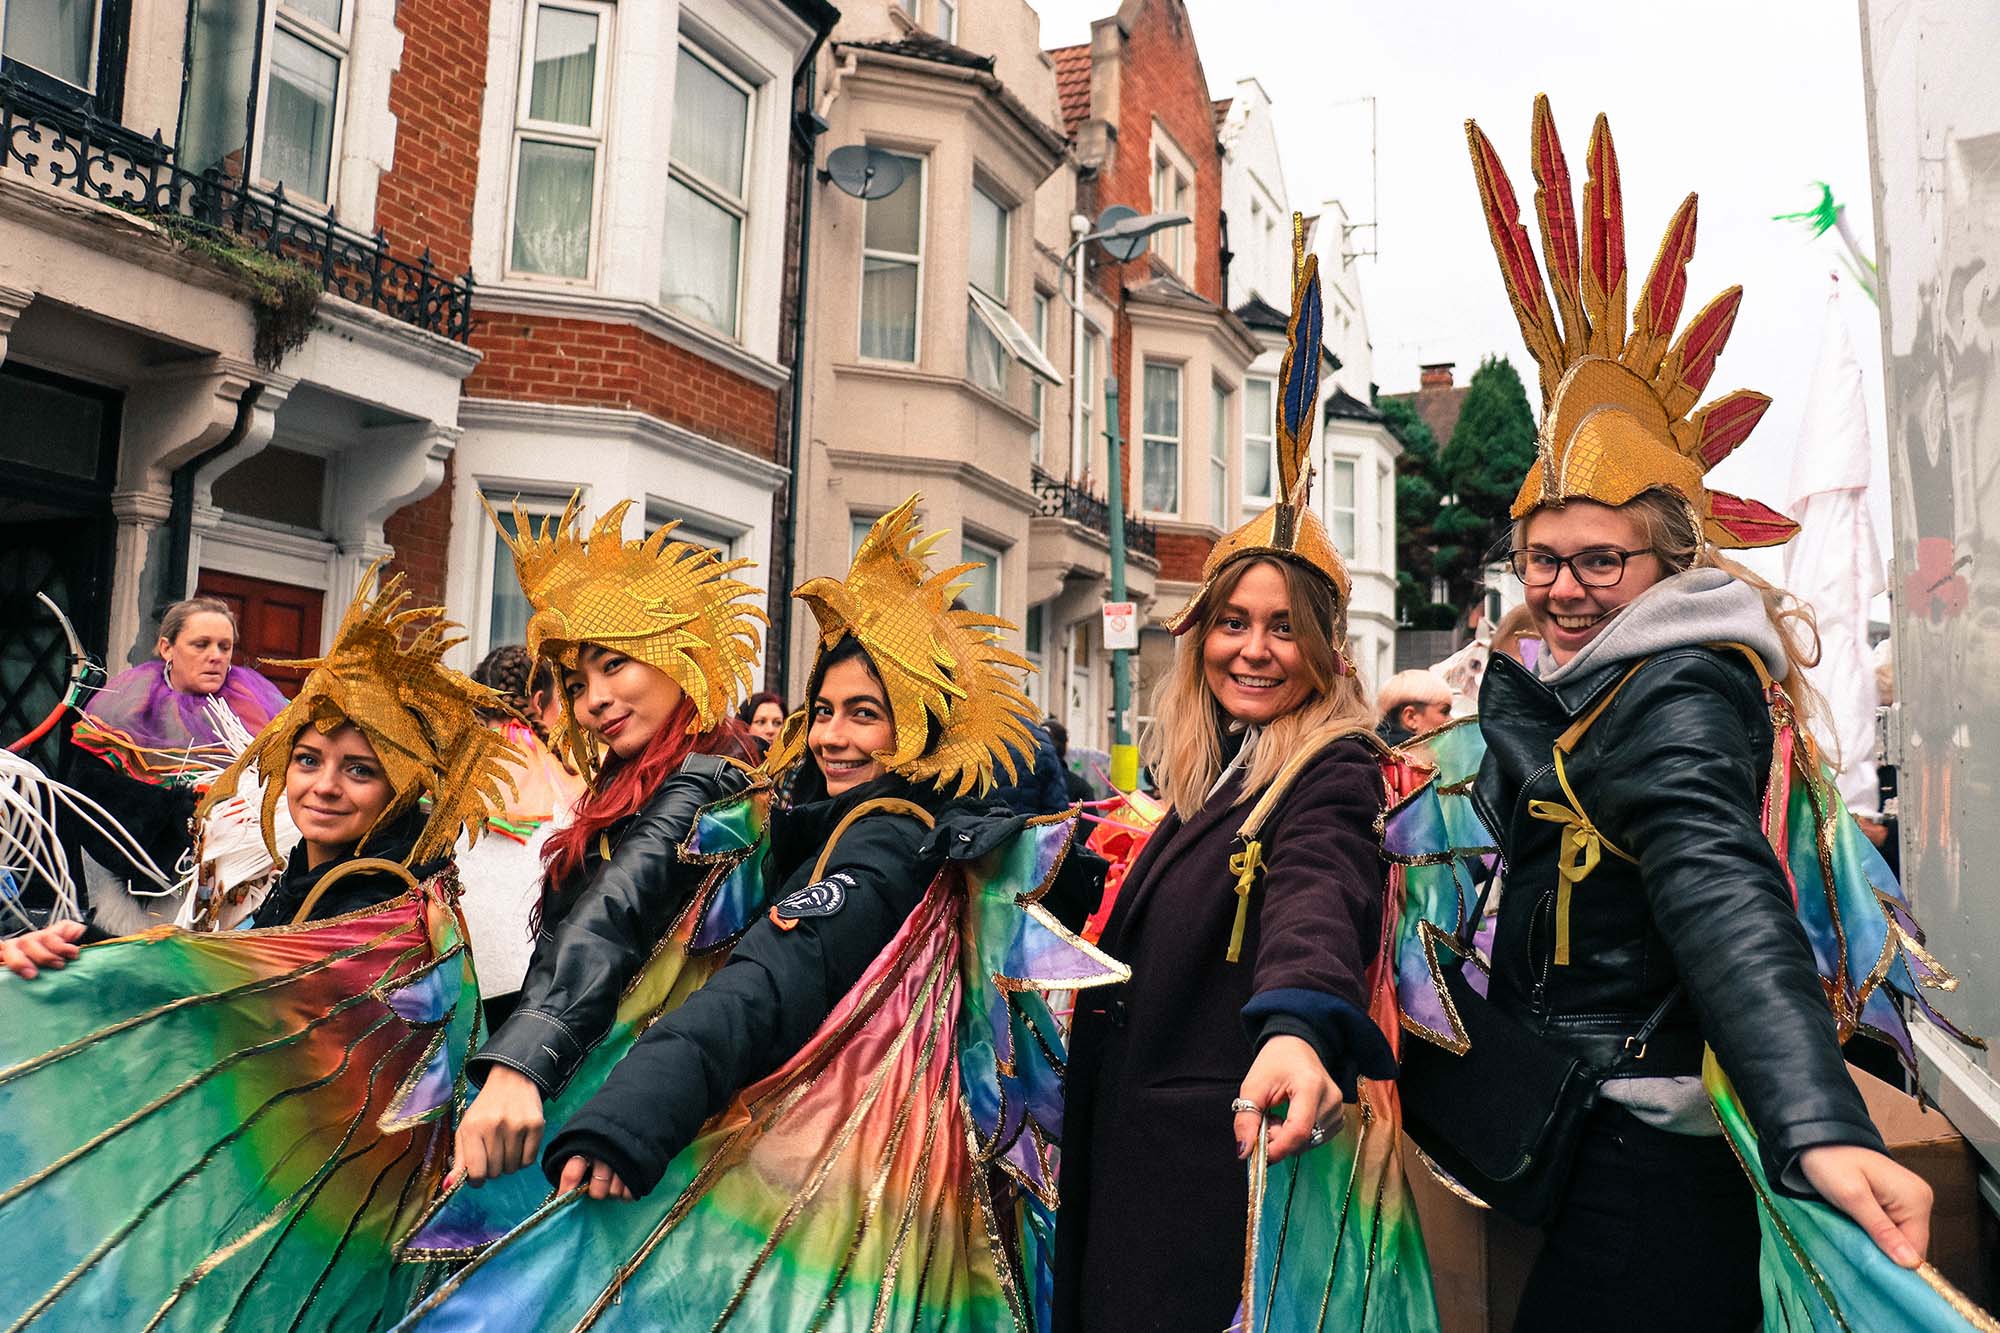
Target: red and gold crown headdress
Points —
{"points": [[1616, 418], [420, 716], [671, 604], [1289, 529], [943, 667]]}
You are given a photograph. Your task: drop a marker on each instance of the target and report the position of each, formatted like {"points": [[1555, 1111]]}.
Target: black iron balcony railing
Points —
{"points": [[1060, 498], [72, 149]]}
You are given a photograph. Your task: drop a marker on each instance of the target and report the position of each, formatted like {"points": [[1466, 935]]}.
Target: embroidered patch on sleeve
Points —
{"points": [[821, 899]]}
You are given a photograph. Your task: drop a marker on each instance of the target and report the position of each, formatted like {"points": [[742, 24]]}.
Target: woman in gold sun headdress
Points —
{"points": [[852, 1123], [1638, 782], [653, 641]]}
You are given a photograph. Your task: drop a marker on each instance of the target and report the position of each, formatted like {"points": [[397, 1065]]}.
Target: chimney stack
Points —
{"points": [[1436, 375]]}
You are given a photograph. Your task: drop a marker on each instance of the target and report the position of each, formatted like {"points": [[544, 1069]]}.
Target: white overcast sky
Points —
{"points": [[1746, 102]]}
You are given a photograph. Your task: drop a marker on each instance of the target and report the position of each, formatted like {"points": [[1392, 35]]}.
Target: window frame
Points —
{"points": [[973, 547], [104, 93], [1148, 440], [921, 178], [708, 190], [1385, 511], [1352, 509], [980, 318], [695, 526], [1176, 245], [594, 137], [947, 28], [1090, 363], [1038, 400], [281, 18], [501, 495], [1220, 398], [1266, 435]]}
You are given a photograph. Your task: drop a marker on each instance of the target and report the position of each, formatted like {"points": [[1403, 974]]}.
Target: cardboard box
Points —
{"points": [[1480, 1260]]}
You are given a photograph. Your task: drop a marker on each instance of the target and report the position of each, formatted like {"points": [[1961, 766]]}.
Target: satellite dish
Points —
{"points": [[864, 172], [1124, 249]]}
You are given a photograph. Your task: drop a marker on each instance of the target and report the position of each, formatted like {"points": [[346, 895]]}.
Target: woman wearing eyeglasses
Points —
{"points": [[1647, 916]]}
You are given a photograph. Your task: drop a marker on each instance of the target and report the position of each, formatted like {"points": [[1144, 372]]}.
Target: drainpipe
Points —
{"points": [[811, 127], [180, 513]]}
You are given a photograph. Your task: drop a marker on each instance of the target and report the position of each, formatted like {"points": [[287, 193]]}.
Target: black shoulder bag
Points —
{"points": [[1504, 1118]]}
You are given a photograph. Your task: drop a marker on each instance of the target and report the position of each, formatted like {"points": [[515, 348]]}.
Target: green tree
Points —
{"points": [[1491, 449], [1420, 485]]}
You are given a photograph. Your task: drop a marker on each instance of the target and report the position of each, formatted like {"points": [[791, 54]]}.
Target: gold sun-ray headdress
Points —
{"points": [[1616, 417], [944, 668], [1289, 529], [421, 717], [671, 604]]}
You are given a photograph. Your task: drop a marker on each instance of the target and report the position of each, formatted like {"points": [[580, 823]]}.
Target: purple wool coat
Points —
{"points": [[1153, 1199]]}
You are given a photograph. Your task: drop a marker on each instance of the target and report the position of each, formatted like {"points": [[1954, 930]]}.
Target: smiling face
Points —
{"points": [[336, 790], [198, 657], [622, 701], [850, 722], [767, 721], [1566, 613], [1249, 657]]}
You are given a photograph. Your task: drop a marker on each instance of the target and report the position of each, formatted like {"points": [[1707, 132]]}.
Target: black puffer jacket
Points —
{"points": [[778, 986], [1671, 773], [596, 935]]}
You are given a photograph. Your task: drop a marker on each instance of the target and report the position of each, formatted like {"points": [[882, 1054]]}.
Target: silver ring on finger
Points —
{"points": [[1317, 1137], [1243, 1104]]}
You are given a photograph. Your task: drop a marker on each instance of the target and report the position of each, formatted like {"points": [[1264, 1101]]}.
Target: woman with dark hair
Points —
{"points": [[764, 714], [850, 1124], [652, 638], [147, 744]]}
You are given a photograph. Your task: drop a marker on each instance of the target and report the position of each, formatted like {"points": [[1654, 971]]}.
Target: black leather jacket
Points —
{"points": [[1673, 774], [595, 935]]}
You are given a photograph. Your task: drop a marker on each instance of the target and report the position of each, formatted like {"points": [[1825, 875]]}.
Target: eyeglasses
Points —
{"points": [[1599, 567]]}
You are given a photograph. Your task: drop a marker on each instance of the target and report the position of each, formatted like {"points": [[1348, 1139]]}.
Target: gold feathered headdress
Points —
{"points": [[421, 717], [1289, 529], [669, 604], [943, 668], [1616, 417]]}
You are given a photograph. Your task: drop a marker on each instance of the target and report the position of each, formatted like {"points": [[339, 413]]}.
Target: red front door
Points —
{"points": [[277, 620]]}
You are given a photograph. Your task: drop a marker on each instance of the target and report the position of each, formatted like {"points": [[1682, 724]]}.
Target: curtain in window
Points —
{"points": [[552, 209], [985, 357], [701, 268], [1218, 456], [1340, 504], [988, 250], [562, 89], [1161, 485], [326, 13], [888, 310], [53, 36], [1259, 444], [298, 130], [711, 124]]}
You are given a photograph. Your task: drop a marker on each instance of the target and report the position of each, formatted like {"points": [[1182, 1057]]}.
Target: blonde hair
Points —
{"points": [[1673, 533], [1183, 742]]}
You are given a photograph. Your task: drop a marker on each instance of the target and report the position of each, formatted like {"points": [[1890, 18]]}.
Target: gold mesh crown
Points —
{"points": [[1289, 529], [943, 668], [421, 717], [1616, 418], [670, 604]]}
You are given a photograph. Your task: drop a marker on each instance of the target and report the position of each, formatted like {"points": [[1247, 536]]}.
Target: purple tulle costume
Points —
{"points": [[156, 733]]}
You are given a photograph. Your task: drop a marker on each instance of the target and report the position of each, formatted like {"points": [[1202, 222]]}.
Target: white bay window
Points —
{"points": [[558, 140], [707, 187]]}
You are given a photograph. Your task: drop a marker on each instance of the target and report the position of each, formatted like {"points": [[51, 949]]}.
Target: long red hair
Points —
{"points": [[624, 786]]}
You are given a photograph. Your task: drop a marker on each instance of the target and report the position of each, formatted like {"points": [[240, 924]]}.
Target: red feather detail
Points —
{"points": [[1555, 205], [1726, 423], [1660, 300], [1604, 242], [1688, 367], [1748, 522], [1517, 256]]}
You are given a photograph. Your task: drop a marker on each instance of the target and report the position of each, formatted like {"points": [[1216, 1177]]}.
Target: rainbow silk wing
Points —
{"points": [[1820, 1270], [210, 1130], [730, 837], [897, 1173]]}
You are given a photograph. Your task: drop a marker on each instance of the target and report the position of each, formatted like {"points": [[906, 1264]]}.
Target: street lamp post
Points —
{"points": [[1124, 233]]}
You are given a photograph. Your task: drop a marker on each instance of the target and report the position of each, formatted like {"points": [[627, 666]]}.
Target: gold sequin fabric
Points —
{"points": [[1618, 397], [671, 604], [385, 675], [943, 666]]}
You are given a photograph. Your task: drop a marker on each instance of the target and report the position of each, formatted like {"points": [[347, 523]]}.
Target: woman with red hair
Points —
{"points": [[654, 640]]}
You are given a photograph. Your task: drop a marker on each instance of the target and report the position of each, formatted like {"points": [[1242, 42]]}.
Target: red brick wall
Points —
{"points": [[425, 199], [1161, 79], [534, 358], [421, 534]]}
